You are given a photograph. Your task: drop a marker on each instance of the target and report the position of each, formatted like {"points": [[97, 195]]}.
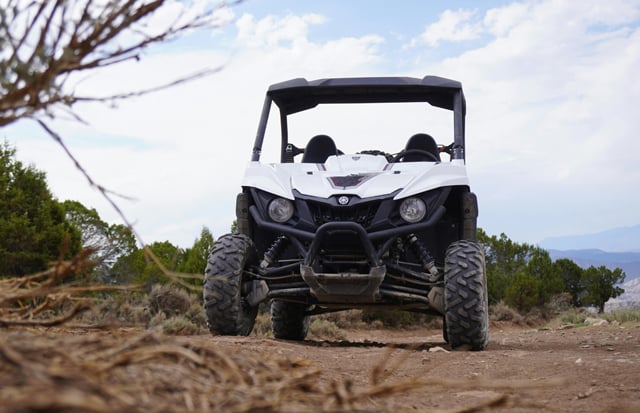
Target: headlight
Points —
{"points": [[413, 210], [280, 210]]}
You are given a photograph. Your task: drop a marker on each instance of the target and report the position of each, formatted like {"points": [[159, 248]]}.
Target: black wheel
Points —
{"points": [[227, 311], [465, 297], [289, 320]]}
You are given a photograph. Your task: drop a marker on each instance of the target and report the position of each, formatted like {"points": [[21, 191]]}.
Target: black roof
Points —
{"points": [[300, 94]]}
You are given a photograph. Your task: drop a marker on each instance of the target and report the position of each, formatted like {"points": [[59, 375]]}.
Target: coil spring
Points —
{"points": [[274, 251], [418, 248]]}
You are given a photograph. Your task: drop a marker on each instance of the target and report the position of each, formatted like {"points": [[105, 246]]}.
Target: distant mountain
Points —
{"points": [[613, 240]]}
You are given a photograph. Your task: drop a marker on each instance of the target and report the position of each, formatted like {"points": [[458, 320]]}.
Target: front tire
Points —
{"points": [[465, 297], [226, 309], [289, 320]]}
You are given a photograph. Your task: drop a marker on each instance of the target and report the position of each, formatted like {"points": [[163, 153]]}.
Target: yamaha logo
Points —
{"points": [[343, 200]]}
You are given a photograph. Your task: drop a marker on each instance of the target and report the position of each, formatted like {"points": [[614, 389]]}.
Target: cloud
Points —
{"points": [[549, 111], [181, 152], [272, 31], [452, 26], [550, 86]]}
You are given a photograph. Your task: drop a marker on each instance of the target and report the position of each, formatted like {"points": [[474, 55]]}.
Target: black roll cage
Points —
{"points": [[299, 94]]}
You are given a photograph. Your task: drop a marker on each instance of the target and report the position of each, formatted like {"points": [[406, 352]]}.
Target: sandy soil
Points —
{"points": [[576, 369]]}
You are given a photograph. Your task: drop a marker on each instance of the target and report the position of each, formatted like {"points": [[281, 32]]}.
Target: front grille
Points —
{"points": [[362, 214]]}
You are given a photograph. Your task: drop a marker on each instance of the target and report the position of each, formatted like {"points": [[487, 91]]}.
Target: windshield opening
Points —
{"points": [[358, 127]]}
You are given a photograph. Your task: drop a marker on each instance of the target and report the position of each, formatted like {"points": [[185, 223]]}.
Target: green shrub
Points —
{"points": [[575, 316]]}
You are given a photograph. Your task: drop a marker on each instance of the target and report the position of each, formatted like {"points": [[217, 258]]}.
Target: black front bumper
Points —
{"points": [[360, 287]]}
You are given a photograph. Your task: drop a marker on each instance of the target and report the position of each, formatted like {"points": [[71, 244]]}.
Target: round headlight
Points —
{"points": [[280, 210], [413, 210]]}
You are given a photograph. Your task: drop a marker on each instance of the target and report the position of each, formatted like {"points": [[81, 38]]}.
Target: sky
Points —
{"points": [[551, 89]]}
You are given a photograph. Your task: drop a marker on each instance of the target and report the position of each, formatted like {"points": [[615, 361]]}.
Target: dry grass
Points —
{"points": [[51, 297], [71, 371], [324, 329], [502, 312], [106, 370]]}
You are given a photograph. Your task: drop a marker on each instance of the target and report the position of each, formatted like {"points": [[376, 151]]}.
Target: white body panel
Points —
{"points": [[362, 175]]}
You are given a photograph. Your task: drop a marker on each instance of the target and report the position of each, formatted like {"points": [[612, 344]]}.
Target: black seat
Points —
{"points": [[423, 142], [319, 148]]}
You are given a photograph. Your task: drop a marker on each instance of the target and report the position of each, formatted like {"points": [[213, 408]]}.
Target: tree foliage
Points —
{"points": [[600, 285], [525, 276], [194, 259], [504, 258], [33, 228], [572, 279], [523, 292], [108, 242], [138, 267]]}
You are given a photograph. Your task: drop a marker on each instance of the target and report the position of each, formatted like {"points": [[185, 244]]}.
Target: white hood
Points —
{"points": [[362, 175]]}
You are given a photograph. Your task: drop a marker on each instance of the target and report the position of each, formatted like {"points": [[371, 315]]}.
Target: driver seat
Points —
{"points": [[318, 149], [423, 142]]}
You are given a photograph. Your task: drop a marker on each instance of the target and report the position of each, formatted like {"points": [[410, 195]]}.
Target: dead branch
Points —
{"points": [[47, 41]]}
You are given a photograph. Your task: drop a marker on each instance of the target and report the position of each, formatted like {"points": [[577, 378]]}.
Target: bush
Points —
{"points": [[181, 326], [262, 326], [502, 312], [119, 308], [196, 315], [170, 299], [575, 316], [325, 329], [345, 319], [394, 318]]}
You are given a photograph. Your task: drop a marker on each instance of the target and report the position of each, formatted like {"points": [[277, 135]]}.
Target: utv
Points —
{"points": [[390, 226]]}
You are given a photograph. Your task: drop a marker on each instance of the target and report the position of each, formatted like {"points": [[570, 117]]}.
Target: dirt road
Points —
{"points": [[578, 369]]}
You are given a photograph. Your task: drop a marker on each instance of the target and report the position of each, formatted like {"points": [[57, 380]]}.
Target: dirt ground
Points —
{"points": [[576, 369], [558, 369]]}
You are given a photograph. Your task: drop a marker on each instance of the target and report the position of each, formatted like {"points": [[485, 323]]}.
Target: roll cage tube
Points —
{"points": [[262, 127], [458, 127], [303, 95]]}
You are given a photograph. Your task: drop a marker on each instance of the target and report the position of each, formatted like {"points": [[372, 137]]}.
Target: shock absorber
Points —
{"points": [[418, 248], [274, 251]]}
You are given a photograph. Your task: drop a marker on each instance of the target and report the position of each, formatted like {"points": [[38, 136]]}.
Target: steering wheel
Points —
{"points": [[406, 152]]}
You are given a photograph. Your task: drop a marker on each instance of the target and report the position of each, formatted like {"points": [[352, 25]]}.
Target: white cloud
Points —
{"points": [[550, 109], [551, 117], [272, 31], [181, 152], [500, 21], [452, 26]]}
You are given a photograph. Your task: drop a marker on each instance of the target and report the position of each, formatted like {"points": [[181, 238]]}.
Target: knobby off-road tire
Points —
{"points": [[465, 296], [227, 311], [288, 320]]}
